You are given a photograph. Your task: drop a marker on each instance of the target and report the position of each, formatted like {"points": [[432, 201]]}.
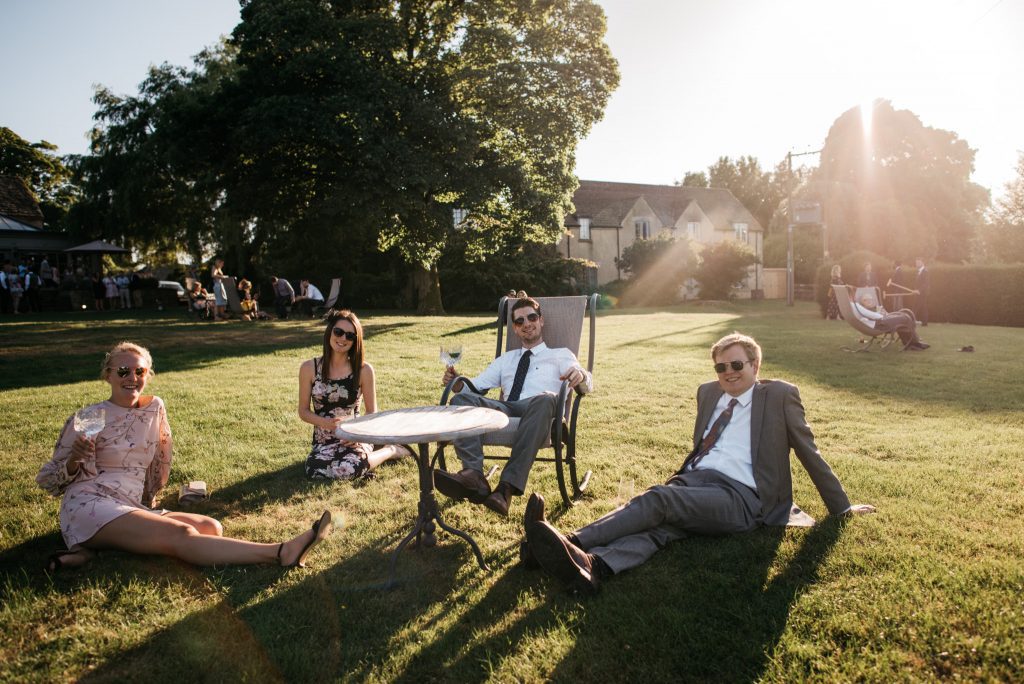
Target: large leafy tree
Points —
{"points": [[1001, 240], [327, 127], [897, 187], [42, 169]]}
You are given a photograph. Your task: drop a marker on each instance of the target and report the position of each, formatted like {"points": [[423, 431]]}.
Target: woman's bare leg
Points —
{"points": [[148, 533], [204, 524], [387, 453]]}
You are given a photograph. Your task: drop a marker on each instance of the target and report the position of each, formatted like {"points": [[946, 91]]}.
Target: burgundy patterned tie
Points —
{"points": [[709, 441], [517, 382]]}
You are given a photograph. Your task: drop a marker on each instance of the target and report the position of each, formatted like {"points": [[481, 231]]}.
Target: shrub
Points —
{"points": [[538, 269], [723, 265], [658, 267]]}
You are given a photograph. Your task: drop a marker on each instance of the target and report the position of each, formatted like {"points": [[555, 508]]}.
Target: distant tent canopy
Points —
{"points": [[97, 247]]}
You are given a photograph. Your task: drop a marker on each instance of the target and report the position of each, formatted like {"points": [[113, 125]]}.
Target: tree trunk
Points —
{"points": [[426, 285]]}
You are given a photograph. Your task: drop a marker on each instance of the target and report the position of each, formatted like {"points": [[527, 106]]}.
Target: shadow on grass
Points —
{"points": [[710, 611], [47, 353]]}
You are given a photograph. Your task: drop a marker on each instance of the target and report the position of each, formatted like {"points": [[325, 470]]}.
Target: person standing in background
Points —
{"points": [[922, 285]]}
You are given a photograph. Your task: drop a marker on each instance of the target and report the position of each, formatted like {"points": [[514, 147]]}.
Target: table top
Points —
{"points": [[422, 424]]}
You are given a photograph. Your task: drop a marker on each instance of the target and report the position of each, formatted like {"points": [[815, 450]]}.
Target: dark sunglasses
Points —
{"points": [[735, 365], [341, 332], [123, 371], [529, 317]]}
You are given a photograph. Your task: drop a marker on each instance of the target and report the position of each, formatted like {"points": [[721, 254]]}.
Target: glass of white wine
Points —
{"points": [[89, 421], [451, 354]]}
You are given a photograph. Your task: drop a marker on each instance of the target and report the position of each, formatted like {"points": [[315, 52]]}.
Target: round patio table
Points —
{"points": [[421, 426]]}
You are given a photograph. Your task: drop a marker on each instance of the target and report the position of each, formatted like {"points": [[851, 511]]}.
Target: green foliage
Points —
{"points": [[1001, 239], [477, 284], [43, 171], [658, 268], [807, 252], [364, 125], [723, 265], [695, 179], [905, 190]]}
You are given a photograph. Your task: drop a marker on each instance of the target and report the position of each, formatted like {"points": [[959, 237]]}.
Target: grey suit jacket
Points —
{"points": [[777, 424]]}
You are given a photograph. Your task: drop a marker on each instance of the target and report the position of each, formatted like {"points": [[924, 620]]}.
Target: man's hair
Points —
{"points": [[524, 302], [748, 343]]}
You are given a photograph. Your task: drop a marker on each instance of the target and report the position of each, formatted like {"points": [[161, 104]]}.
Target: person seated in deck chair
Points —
{"points": [[736, 479], [530, 379], [900, 322]]}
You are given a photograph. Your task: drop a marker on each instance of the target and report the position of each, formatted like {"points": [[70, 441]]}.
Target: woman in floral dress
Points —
{"points": [[110, 484], [334, 384]]}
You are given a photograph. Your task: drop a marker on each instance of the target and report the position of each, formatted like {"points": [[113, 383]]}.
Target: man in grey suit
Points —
{"points": [[736, 478]]}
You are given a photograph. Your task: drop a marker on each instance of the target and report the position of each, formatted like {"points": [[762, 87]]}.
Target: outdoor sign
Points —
{"points": [[806, 211]]}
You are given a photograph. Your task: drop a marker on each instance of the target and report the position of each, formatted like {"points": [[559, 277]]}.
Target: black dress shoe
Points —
{"points": [[568, 563], [465, 484]]}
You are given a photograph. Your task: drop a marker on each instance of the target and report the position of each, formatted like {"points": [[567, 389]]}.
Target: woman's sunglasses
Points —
{"points": [[341, 332], [735, 365], [529, 317], [123, 371]]}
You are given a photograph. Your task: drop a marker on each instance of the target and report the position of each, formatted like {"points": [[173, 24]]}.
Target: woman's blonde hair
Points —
{"points": [[125, 346]]}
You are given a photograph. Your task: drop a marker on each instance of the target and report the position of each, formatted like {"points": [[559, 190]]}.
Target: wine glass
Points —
{"points": [[89, 421], [450, 354]]}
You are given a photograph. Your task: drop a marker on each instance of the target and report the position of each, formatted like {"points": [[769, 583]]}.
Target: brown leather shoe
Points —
{"points": [[568, 563], [465, 484], [534, 513], [499, 500]]}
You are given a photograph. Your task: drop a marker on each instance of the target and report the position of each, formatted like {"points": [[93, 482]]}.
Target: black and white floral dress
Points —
{"points": [[330, 458]]}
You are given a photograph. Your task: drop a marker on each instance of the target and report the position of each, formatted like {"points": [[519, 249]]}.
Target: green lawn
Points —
{"points": [[931, 587]]}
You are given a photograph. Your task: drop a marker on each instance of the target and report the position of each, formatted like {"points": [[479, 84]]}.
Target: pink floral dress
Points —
{"points": [[133, 462], [330, 458]]}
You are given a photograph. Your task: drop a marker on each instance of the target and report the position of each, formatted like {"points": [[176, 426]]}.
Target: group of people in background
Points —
{"points": [[21, 284], [897, 289]]}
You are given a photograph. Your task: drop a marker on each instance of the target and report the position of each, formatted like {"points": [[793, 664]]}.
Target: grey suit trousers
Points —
{"points": [[534, 413], [698, 502]]}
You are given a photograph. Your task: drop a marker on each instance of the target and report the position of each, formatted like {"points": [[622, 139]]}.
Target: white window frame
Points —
{"points": [[584, 229], [643, 228], [742, 231], [693, 229]]}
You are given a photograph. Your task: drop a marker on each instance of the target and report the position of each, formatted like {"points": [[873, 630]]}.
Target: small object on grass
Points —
{"points": [[193, 492], [968, 348]]}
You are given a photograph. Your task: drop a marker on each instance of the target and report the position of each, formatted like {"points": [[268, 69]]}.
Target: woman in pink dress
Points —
{"points": [[110, 483]]}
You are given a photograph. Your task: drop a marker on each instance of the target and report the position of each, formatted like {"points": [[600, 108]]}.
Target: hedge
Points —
{"points": [[975, 294]]}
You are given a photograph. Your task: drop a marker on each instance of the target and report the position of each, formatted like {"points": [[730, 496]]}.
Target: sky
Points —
{"points": [[699, 79]]}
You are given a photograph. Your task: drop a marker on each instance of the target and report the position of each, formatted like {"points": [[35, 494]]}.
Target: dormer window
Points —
{"points": [[740, 229], [643, 229]]}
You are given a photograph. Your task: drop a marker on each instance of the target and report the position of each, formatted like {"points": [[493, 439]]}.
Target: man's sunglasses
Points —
{"points": [[341, 332], [735, 365], [123, 371], [529, 317]]}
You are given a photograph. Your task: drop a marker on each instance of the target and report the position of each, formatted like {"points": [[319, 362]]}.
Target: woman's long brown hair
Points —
{"points": [[355, 352]]}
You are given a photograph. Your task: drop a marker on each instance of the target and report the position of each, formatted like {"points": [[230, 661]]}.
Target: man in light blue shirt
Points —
{"points": [[530, 379]]}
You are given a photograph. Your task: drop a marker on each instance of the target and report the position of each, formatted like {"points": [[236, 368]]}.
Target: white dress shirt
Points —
{"points": [[731, 453], [313, 293], [547, 366]]}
